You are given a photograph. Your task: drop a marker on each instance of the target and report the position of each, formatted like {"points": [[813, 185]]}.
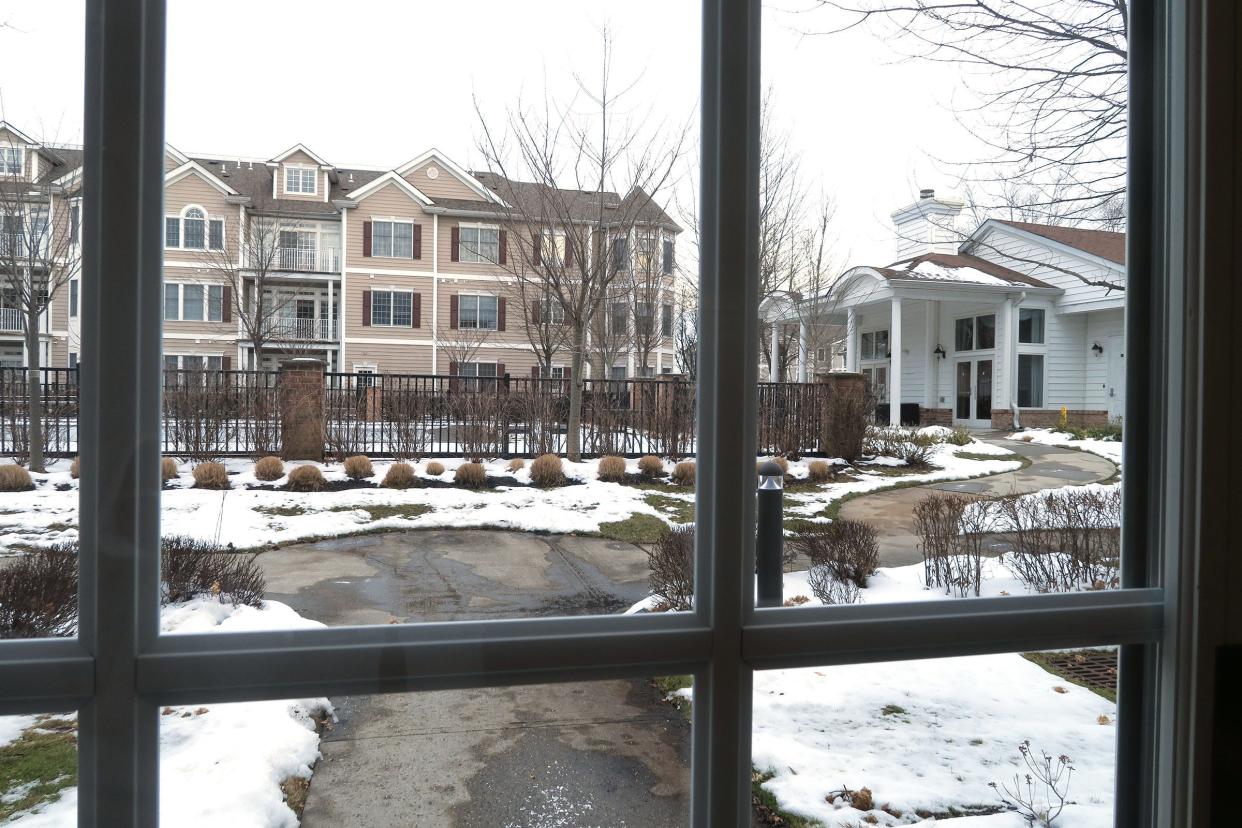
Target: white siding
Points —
{"points": [[1099, 327], [1022, 253]]}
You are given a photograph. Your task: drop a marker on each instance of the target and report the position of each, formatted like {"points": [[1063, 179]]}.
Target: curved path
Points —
{"points": [[892, 511]]}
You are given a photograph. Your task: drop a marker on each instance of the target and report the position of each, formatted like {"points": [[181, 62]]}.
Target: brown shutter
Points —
{"points": [[366, 239], [417, 252], [500, 370], [455, 241], [416, 311], [500, 313], [366, 308], [534, 372], [568, 372], [454, 383], [534, 313], [226, 363], [569, 250], [226, 304], [537, 242], [453, 311], [504, 246]]}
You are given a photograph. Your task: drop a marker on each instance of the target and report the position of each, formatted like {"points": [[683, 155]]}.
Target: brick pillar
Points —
{"points": [[301, 409], [375, 403], [845, 415]]}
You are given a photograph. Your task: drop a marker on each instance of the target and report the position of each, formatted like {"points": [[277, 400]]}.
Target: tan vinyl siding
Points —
{"points": [[445, 239], [397, 358], [387, 201], [170, 163], [193, 189], [444, 185], [514, 332]]}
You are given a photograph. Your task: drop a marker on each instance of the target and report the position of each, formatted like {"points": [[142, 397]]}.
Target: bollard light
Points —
{"points": [[770, 536]]}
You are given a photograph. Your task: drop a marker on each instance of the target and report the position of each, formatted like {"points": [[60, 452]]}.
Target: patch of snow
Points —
{"points": [[930, 270], [1110, 449]]}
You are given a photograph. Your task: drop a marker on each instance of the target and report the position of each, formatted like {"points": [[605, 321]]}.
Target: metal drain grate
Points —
{"points": [[1092, 667]]}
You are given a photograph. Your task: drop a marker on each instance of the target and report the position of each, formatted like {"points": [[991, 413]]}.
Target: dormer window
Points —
{"points": [[11, 160], [301, 180]]}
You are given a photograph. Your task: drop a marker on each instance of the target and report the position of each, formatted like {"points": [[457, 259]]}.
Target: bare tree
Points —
{"points": [[649, 289], [610, 335], [462, 345], [544, 322], [686, 328], [39, 255], [818, 266], [581, 175], [1050, 85]]}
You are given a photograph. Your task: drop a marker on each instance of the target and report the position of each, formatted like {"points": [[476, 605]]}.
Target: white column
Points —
{"points": [[774, 356], [1004, 367], [933, 338], [804, 333], [894, 366], [331, 305], [851, 340]]}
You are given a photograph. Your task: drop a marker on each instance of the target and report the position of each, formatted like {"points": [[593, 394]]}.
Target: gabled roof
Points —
{"points": [[1104, 244], [46, 151], [636, 207], [390, 177], [176, 154], [299, 148], [194, 168], [957, 268], [457, 172]]}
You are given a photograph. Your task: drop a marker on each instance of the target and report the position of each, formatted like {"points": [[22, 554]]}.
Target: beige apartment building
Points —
{"points": [[409, 270]]}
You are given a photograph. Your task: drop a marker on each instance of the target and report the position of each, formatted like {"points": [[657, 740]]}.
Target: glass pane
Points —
{"points": [[985, 740], [39, 770], [983, 390], [609, 753], [964, 338], [1031, 326], [963, 390], [986, 331]]}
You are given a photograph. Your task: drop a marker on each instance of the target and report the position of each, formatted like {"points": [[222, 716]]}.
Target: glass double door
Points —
{"points": [[973, 404]]}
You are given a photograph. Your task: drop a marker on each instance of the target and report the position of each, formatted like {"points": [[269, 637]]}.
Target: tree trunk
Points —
{"points": [[574, 426], [34, 394]]}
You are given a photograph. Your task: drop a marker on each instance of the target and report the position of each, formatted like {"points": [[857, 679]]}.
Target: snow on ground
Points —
{"points": [[220, 764], [256, 518], [926, 735], [1110, 449], [999, 522]]}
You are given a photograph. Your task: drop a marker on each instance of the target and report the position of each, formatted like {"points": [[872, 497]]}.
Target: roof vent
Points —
{"points": [[927, 193]]}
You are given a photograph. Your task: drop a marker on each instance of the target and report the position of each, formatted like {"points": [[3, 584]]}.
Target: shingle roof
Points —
{"points": [[586, 205], [957, 267], [1103, 243]]}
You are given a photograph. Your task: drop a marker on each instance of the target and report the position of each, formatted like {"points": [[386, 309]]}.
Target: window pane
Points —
{"points": [[964, 336], [192, 299], [1031, 326], [402, 309], [215, 303], [403, 240], [194, 233], [172, 301], [381, 307], [868, 345], [986, 326], [172, 232], [1030, 380], [381, 239], [217, 234]]}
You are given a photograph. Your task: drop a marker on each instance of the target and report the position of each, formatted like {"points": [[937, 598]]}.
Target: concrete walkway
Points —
{"points": [[892, 512]]}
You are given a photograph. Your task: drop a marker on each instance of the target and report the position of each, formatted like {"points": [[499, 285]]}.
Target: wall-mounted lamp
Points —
{"points": [[1098, 348], [940, 352]]}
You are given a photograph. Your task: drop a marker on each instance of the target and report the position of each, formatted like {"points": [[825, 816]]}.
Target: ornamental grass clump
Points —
{"points": [[780, 461], [516, 465], [683, 473], [545, 470], [435, 468], [611, 469], [269, 469], [471, 475], [819, 471], [168, 469], [358, 467], [75, 468], [13, 478], [399, 476], [210, 476], [306, 479], [650, 465]]}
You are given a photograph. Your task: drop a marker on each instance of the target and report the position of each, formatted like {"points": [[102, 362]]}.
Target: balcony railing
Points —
{"points": [[11, 319], [304, 330], [321, 260]]}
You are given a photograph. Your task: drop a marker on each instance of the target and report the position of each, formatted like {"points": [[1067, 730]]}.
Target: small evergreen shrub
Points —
{"points": [[358, 467], [399, 476], [435, 468], [471, 475], [819, 471], [306, 479], [210, 476], [611, 469], [683, 473], [516, 465], [545, 470], [269, 469], [651, 465]]}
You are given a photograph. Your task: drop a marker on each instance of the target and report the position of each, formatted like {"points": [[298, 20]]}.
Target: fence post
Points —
{"points": [[844, 416], [300, 388]]}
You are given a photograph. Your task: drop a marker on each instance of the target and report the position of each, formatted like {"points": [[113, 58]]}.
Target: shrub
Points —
{"points": [[1065, 539], [191, 568], [846, 420], [516, 465], [683, 473], [611, 468], [545, 470], [211, 476], [435, 468], [13, 478], [819, 471], [358, 467], [1041, 792], [39, 594], [472, 475], [828, 588], [306, 478], [269, 469], [75, 468], [959, 437], [904, 444], [952, 556], [671, 560], [651, 465], [846, 548], [169, 469], [780, 461], [399, 476]]}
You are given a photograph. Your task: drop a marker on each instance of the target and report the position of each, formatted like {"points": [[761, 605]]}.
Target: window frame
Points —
{"points": [[1043, 379], [303, 170], [7, 167], [392, 294], [209, 229], [119, 671], [478, 311], [473, 255], [392, 238]]}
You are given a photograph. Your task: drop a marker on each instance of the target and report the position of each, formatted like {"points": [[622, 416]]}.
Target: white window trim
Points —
{"points": [[1043, 380], [181, 286], [390, 323], [1018, 322], [875, 359], [974, 333], [461, 247], [21, 160], [477, 327], [207, 220], [284, 174], [392, 220]]}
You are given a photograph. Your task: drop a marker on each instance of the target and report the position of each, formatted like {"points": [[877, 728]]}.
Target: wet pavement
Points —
{"points": [[606, 753]]}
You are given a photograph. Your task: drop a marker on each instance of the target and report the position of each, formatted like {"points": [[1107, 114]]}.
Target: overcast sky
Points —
{"points": [[373, 83]]}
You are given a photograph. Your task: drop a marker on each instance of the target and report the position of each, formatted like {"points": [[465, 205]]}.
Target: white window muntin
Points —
{"points": [[301, 179], [193, 302], [478, 312], [478, 243], [193, 229], [392, 308], [392, 238], [12, 160]]}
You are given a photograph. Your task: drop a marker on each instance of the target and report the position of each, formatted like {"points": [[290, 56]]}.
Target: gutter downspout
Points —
{"points": [[1013, 360]]}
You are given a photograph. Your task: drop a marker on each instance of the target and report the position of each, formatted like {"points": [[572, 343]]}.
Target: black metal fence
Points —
{"points": [[223, 413]]}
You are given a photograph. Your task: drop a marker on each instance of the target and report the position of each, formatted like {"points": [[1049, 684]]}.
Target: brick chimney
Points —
{"points": [[929, 225]]}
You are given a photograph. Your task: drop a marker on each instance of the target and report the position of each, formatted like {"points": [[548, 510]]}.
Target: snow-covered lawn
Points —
{"points": [[926, 736], [1110, 449], [220, 764], [252, 518]]}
